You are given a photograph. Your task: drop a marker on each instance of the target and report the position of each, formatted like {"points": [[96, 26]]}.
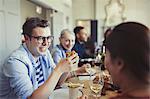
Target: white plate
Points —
{"points": [[62, 94], [69, 84], [92, 71], [86, 77]]}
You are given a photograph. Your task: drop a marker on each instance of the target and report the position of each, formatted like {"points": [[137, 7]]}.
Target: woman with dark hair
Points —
{"points": [[128, 60]]}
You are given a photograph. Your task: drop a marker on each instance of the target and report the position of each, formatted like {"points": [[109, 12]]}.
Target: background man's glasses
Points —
{"points": [[41, 39]]}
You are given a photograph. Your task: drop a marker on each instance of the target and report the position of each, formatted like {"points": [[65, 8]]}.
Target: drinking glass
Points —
{"points": [[89, 71], [96, 88]]}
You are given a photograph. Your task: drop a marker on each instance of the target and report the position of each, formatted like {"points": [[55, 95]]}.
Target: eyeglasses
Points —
{"points": [[41, 39]]}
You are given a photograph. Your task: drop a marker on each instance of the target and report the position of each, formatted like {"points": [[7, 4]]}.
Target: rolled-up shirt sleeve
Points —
{"points": [[17, 74]]}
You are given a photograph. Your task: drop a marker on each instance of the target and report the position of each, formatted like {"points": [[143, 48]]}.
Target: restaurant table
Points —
{"points": [[85, 79], [63, 93]]}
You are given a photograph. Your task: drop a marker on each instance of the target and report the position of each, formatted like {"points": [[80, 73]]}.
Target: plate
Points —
{"points": [[72, 85], [90, 71], [86, 77], [62, 94], [86, 74]]}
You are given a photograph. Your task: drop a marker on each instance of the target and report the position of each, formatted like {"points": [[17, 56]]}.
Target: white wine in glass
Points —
{"points": [[90, 71], [97, 87]]}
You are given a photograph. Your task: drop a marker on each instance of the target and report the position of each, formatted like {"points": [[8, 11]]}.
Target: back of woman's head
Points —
{"points": [[130, 41]]}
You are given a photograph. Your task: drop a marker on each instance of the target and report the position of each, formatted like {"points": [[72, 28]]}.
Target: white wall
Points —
{"points": [[28, 9], [57, 26], [82, 9], [138, 10], [135, 10], [61, 6], [62, 19], [10, 37]]}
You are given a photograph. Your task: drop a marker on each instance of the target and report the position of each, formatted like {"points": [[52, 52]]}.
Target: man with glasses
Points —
{"points": [[29, 72]]}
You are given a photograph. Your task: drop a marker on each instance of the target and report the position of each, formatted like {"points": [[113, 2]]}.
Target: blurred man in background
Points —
{"points": [[81, 38]]}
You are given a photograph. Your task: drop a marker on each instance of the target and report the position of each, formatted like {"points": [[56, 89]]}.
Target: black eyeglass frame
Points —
{"points": [[41, 39]]}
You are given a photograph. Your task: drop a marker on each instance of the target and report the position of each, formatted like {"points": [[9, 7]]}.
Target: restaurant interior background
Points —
{"points": [[63, 14]]}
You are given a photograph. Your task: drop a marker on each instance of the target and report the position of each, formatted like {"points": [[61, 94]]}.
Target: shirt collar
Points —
{"points": [[80, 42], [29, 54], [64, 49]]}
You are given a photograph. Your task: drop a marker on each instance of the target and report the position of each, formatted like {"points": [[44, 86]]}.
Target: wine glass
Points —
{"points": [[90, 71], [96, 88]]}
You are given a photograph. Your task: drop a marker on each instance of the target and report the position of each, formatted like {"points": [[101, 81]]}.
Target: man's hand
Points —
{"points": [[82, 69], [65, 64]]}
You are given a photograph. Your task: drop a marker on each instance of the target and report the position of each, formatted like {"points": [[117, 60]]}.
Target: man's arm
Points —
{"points": [[17, 74], [44, 91]]}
